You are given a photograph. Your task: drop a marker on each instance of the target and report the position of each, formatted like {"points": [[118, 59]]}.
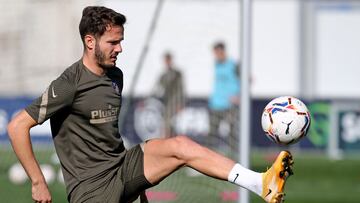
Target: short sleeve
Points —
{"points": [[60, 94]]}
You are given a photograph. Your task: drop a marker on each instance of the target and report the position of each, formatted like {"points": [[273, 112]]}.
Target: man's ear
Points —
{"points": [[90, 42]]}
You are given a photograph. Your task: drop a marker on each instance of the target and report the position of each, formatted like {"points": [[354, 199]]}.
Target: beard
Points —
{"points": [[101, 57]]}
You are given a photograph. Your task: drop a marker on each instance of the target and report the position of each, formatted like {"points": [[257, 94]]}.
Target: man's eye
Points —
{"points": [[114, 43]]}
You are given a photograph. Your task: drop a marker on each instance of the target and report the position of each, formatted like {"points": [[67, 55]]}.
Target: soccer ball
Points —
{"points": [[285, 120]]}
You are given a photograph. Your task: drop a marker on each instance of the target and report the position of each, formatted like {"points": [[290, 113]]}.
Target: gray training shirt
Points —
{"points": [[83, 109]]}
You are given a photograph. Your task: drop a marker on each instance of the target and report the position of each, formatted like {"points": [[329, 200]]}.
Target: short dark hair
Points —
{"points": [[167, 54], [219, 45], [95, 20]]}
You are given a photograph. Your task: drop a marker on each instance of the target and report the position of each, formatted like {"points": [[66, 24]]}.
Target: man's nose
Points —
{"points": [[118, 48]]}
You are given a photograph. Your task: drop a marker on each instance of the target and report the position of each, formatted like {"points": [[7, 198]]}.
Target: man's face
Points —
{"points": [[108, 46], [168, 61], [219, 54]]}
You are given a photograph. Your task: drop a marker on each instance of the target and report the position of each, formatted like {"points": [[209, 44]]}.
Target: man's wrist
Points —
{"points": [[38, 181]]}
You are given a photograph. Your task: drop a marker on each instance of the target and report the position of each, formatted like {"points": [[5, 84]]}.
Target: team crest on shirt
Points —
{"points": [[116, 87]]}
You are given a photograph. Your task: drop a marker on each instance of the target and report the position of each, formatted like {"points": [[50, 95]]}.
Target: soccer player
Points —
{"points": [[83, 104], [224, 100], [170, 90]]}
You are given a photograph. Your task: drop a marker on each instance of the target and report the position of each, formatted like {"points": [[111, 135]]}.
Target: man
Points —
{"points": [[170, 90], [83, 106], [224, 100]]}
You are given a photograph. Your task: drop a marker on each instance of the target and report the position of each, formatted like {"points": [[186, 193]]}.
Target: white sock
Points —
{"points": [[246, 178]]}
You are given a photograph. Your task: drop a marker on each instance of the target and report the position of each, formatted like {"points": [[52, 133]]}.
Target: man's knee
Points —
{"points": [[183, 141], [184, 147]]}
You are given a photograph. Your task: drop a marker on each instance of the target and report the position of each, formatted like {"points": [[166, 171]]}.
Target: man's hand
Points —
{"points": [[41, 193], [19, 134]]}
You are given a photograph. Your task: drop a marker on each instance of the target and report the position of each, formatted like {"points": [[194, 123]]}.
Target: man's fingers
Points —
{"points": [[42, 200], [45, 200]]}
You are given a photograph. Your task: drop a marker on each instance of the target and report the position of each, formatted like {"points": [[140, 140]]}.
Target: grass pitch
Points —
{"points": [[316, 180]]}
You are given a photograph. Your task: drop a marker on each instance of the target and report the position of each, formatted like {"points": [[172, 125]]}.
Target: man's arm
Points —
{"points": [[19, 134], [158, 90]]}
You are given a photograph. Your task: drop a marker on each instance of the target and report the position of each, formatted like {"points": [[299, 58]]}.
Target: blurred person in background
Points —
{"points": [[170, 90], [224, 100], [83, 106]]}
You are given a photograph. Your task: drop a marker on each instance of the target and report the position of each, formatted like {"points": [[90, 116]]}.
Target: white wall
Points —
{"points": [[337, 51], [186, 28], [189, 29], [275, 48], [40, 39]]}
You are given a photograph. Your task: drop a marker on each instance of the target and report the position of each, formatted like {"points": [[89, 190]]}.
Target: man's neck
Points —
{"points": [[90, 63]]}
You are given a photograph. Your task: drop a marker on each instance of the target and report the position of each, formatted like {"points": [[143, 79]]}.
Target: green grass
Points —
{"points": [[11, 193], [316, 180]]}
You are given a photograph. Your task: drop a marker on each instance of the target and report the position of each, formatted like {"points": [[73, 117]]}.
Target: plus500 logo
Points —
{"points": [[350, 127]]}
